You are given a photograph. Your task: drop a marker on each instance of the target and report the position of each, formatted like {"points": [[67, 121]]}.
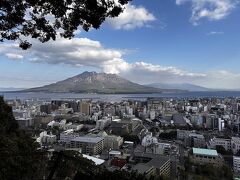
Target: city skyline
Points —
{"points": [[176, 41]]}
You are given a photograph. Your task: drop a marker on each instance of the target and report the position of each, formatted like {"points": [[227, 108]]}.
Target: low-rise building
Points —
{"points": [[24, 122], [235, 144], [112, 142], [68, 135], [232, 144], [158, 148], [103, 123], [226, 143], [96, 161], [45, 138], [161, 163], [144, 169], [236, 164], [206, 156], [113, 154], [89, 145], [121, 127], [197, 140], [49, 139], [182, 134], [75, 127]]}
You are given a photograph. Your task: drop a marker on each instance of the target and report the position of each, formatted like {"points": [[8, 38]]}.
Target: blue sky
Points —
{"points": [[167, 41]]}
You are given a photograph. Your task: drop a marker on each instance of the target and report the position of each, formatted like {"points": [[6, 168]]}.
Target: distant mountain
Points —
{"points": [[92, 82], [10, 89], [183, 86]]}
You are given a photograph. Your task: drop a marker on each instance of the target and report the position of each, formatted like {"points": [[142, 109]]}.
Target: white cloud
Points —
{"points": [[145, 73], [221, 79], [75, 52], [209, 9], [14, 56], [87, 53], [131, 18], [10, 51], [215, 33]]}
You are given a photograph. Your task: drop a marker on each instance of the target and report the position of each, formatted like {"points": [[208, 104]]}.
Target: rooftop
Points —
{"points": [[142, 168], [158, 161], [196, 135], [236, 157], [88, 139], [178, 119], [236, 139], [97, 161], [155, 160], [115, 152], [208, 152]]}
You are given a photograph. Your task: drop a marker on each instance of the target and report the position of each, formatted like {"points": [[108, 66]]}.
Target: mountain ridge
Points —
{"points": [[187, 87], [93, 82], [10, 89], [180, 86]]}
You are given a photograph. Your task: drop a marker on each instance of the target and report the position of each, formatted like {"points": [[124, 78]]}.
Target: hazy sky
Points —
{"points": [[167, 41]]}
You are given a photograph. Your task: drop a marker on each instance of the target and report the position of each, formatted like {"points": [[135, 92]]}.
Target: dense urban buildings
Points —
{"points": [[156, 137]]}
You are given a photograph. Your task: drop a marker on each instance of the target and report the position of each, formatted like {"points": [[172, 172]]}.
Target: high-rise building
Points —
{"points": [[85, 108]]}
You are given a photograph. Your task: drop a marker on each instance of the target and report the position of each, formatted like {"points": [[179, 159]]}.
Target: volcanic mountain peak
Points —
{"points": [[93, 82]]}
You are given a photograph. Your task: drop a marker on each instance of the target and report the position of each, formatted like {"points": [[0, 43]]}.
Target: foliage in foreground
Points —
{"points": [[41, 19]]}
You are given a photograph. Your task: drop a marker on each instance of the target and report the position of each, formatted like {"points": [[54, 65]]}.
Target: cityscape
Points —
{"points": [[156, 137], [119, 90]]}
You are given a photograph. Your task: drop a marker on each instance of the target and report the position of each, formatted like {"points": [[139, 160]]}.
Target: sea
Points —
{"points": [[117, 97]]}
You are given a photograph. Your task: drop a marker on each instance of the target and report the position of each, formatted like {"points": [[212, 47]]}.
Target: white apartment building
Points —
{"points": [[112, 142], [89, 145], [75, 127], [226, 143], [235, 143], [103, 123], [221, 124], [67, 135], [129, 110], [47, 138], [149, 140], [152, 114], [236, 164]]}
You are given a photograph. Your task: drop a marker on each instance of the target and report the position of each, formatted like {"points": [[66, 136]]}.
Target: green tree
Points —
{"points": [[220, 149], [133, 138], [227, 173], [30, 18], [168, 135], [17, 149]]}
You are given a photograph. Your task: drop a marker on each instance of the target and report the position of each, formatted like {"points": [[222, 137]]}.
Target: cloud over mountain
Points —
{"points": [[84, 52]]}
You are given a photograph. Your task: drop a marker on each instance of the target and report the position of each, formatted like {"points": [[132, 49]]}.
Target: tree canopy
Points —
{"points": [[17, 150], [42, 19]]}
